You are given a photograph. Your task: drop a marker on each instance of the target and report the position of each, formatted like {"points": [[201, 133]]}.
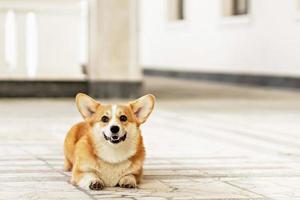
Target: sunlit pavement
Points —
{"points": [[203, 141]]}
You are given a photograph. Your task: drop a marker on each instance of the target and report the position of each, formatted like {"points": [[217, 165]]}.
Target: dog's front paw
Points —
{"points": [[91, 181], [96, 184], [128, 181]]}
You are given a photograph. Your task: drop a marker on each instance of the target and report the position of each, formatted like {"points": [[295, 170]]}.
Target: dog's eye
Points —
{"points": [[123, 118], [104, 119]]}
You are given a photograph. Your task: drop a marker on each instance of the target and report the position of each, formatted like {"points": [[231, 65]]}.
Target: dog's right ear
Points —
{"points": [[86, 105]]}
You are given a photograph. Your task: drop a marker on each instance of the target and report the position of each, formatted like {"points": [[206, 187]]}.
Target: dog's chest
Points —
{"points": [[110, 174]]}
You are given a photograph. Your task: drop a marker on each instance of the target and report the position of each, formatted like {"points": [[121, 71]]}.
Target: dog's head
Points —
{"points": [[115, 126]]}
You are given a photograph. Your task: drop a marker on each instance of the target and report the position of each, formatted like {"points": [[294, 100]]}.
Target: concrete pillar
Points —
{"points": [[113, 69], [227, 7], [175, 10], [241, 7]]}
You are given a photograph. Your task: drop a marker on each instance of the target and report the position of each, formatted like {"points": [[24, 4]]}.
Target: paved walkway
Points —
{"points": [[204, 141]]}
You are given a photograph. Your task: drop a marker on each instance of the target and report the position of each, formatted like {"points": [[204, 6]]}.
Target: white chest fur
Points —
{"points": [[113, 160], [110, 173]]}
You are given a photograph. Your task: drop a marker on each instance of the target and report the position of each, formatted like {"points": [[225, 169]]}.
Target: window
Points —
{"points": [[10, 40], [235, 7], [175, 10]]}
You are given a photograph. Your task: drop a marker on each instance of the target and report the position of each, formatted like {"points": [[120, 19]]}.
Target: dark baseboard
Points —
{"points": [[246, 79], [54, 88], [119, 89], [41, 88]]}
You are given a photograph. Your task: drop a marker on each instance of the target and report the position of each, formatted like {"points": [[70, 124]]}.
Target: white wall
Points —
{"points": [[2, 56], [55, 40], [266, 42]]}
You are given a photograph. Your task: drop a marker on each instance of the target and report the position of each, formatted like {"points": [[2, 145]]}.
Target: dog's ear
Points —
{"points": [[143, 107], [86, 105]]}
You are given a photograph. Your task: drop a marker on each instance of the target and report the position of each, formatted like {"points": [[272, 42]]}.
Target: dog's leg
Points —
{"points": [[128, 181], [90, 180], [87, 180], [67, 165]]}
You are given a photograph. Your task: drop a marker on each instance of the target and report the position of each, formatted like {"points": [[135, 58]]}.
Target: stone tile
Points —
{"points": [[17, 162], [211, 189], [31, 175], [30, 195], [151, 198], [39, 190], [223, 142], [183, 198], [154, 185], [272, 187], [35, 179], [255, 172], [24, 168], [106, 196]]}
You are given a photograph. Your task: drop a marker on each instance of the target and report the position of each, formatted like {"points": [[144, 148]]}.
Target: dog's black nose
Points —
{"points": [[114, 129]]}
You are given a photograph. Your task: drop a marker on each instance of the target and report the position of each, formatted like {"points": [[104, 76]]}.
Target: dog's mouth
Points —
{"points": [[115, 141]]}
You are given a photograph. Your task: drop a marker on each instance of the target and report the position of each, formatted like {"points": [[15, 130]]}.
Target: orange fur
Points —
{"points": [[96, 162]]}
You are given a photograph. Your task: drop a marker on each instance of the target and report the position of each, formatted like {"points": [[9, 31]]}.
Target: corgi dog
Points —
{"points": [[107, 148]]}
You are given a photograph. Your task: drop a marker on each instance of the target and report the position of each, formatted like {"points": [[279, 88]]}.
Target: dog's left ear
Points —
{"points": [[143, 107], [86, 105]]}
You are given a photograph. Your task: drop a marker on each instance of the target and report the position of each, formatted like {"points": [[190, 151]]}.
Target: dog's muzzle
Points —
{"points": [[115, 141]]}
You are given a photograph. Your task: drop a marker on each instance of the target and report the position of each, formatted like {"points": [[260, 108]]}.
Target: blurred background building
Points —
{"points": [[102, 47]]}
